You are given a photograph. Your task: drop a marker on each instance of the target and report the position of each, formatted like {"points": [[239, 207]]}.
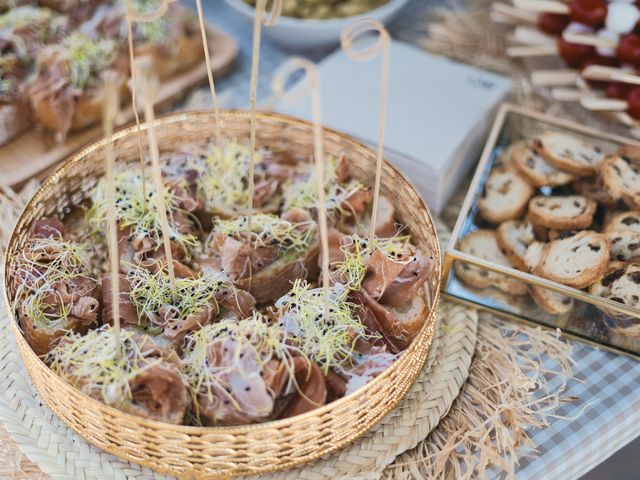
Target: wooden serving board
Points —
{"points": [[35, 151]]}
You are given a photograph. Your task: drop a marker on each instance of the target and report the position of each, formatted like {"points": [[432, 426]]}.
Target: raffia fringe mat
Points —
{"points": [[487, 415]]}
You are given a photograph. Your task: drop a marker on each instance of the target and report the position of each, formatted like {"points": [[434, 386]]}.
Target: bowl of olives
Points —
{"points": [[307, 24]]}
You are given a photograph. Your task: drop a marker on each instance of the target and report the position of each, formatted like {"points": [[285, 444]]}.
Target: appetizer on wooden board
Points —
{"points": [[53, 56]]}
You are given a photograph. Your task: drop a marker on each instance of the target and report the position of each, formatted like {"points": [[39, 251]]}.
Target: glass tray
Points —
{"points": [[592, 318]]}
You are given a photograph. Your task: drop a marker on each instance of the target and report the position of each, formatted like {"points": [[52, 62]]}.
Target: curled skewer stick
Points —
{"points": [[147, 89], [135, 113], [560, 77], [542, 6], [212, 87], [136, 16], [133, 15], [110, 106], [310, 85], [258, 20], [348, 36]]}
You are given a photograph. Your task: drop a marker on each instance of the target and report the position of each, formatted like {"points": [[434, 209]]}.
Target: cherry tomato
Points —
{"points": [[633, 100], [599, 60], [618, 90], [589, 12], [628, 50], [574, 55], [553, 23]]}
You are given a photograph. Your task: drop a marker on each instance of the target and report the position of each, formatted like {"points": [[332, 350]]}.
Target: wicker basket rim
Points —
{"points": [[176, 118]]}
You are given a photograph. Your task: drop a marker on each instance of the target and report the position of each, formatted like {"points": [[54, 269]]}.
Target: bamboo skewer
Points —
{"points": [[560, 77], [109, 114], [542, 6], [207, 58], [310, 85], [532, 51], [510, 14], [570, 94], [347, 38], [258, 21], [133, 15], [135, 107], [148, 87], [604, 104], [610, 74], [589, 40], [532, 36]]}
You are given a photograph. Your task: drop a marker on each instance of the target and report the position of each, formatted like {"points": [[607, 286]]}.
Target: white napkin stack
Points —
{"points": [[438, 112]]}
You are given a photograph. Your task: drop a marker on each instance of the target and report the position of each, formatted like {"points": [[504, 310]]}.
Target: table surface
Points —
{"points": [[605, 415]]}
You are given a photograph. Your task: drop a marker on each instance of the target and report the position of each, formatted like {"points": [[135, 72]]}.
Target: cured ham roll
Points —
{"points": [[173, 41], [387, 279], [55, 291], [65, 90], [329, 338], [146, 302], [138, 220], [266, 260], [218, 178], [243, 372], [145, 380], [346, 198], [23, 31]]}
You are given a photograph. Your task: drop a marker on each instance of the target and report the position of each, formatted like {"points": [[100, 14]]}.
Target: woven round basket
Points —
{"points": [[223, 452]]}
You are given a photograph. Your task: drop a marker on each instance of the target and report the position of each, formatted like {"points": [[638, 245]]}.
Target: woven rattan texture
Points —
{"points": [[220, 452]]}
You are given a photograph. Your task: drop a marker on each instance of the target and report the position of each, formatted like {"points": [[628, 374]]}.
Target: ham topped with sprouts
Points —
{"points": [[241, 333]]}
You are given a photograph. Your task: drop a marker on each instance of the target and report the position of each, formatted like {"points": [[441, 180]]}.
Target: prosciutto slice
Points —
{"points": [[240, 260], [159, 393], [309, 390], [240, 396], [48, 228], [128, 311], [408, 282], [367, 367], [236, 302], [265, 191], [376, 322], [175, 329], [396, 282], [312, 388], [336, 385], [398, 327], [381, 272], [358, 201]]}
